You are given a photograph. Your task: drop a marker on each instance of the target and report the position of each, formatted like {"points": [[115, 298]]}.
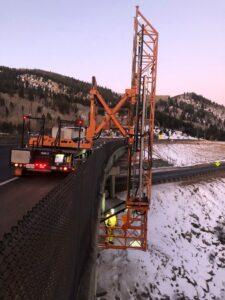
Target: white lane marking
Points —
{"points": [[8, 181]]}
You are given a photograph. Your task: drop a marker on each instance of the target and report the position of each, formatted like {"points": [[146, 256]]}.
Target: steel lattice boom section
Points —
{"points": [[144, 67], [131, 229]]}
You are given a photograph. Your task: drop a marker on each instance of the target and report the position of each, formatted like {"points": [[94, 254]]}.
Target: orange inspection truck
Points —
{"points": [[62, 151]]}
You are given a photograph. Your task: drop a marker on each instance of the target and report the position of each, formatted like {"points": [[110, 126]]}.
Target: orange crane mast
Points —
{"points": [[131, 230]]}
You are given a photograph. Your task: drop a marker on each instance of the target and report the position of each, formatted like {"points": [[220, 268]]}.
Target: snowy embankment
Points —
{"points": [[187, 154], [186, 249]]}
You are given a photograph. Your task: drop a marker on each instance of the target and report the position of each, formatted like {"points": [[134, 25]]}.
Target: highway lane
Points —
{"points": [[6, 171], [19, 196], [173, 174], [161, 175]]}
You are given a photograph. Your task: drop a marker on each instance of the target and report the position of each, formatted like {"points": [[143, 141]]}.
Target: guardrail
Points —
{"points": [[178, 174], [45, 254]]}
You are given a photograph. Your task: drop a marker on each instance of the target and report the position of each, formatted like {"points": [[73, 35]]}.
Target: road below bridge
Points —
{"points": [[170, 174]]}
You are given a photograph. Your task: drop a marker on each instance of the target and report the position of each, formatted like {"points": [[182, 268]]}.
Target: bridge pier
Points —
{"points": [[115, 171], [103, 203]]}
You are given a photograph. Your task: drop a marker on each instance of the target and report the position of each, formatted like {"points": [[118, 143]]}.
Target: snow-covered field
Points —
{"points": [[186, 154], [186, 248]]}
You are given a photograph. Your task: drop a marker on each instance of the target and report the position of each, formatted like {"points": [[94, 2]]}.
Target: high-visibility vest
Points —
{"points": [[110, 222]]}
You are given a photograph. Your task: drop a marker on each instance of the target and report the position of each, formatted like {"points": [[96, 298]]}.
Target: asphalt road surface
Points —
{"points": [[161, 175], [18, 195]]}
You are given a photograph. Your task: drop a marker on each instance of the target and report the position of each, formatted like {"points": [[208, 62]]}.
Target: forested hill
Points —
{"points": [[192, 114], [39, 92]]}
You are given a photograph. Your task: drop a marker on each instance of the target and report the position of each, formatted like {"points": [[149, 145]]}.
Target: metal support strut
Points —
{"points": [[131, 228]]}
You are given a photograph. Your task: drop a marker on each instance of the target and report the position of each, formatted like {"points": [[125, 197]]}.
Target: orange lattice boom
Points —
{"points": [[131, 228]]}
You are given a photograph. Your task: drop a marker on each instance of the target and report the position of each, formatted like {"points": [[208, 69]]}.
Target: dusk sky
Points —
{"points": [[85, 38]]}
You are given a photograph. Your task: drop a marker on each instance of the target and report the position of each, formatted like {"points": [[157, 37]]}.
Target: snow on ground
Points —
{"points": [[186, 249], [187, 154], [169, 134]]}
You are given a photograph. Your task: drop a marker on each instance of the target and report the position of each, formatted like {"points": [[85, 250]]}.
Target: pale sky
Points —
{"points": [[86, 38]]}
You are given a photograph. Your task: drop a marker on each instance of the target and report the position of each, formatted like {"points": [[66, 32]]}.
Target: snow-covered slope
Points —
{"points": [[169, 134], [200, 102], [192, 114], [186, 250], [187, 154]]}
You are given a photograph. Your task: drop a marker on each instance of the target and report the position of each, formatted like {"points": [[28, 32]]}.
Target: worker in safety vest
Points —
{"points": [[110, 223]]}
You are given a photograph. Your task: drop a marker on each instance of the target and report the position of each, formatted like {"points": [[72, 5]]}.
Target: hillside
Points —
{"points": [[192, 114], [38, 92]]}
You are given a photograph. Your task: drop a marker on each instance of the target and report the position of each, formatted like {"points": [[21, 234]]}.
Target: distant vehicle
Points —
{"points": [[62, 151]]}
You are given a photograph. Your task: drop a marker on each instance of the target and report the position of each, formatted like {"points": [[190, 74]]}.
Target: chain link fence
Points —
{"points": [[45, 254]]}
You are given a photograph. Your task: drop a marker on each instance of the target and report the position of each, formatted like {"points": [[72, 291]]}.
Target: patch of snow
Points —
{"points": [[186, 248], [189, 154], [169, 134]]}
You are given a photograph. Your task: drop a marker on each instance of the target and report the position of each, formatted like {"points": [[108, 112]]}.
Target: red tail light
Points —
{"points": [[40, 165]]}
